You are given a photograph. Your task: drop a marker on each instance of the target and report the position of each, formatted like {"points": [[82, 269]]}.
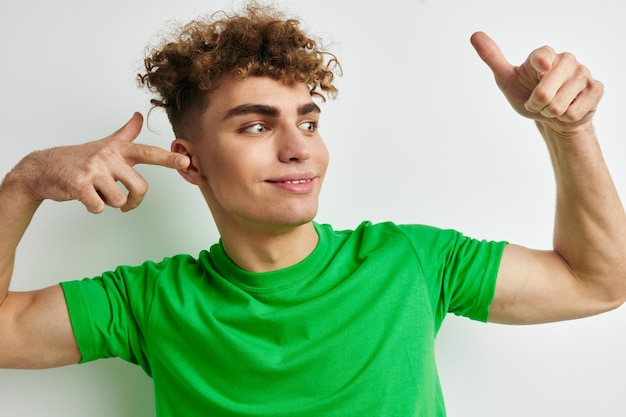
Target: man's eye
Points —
{"points": [[309, 126], [255, 128]]}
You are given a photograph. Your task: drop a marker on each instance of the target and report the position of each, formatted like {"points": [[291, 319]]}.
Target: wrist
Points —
{"points": [[550, 130], [18, 181]]}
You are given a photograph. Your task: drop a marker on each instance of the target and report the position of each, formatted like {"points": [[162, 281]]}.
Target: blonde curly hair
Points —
{"points": [[259, 41]]}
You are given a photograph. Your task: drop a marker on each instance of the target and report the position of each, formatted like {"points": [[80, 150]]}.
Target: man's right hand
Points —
{"points": [[35, 328], [90, 172]]}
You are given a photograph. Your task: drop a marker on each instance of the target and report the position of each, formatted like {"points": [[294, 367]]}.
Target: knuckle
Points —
{"points": [[81, 185], [115, 197], [554, 110], [153, 155], [571, 115], [105, 153], [542, 50], [138, 188], [596, 87], [148, 151], [567, 57], [542, 96], [118, 201], [142, 188], [144, 153], [582, 73]]}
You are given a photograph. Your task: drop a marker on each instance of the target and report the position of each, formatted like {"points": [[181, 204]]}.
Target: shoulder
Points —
{"points": [[386, 229], [390, 237]]}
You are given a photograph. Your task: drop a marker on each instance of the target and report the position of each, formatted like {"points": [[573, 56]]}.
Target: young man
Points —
{"points": [[285, 316]]}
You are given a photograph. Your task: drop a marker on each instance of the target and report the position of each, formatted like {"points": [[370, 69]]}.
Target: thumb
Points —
{"points": [[131, 128], [491, 54]]}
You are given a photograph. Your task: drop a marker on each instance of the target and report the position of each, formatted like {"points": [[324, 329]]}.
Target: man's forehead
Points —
{"points": [[259, 94]]}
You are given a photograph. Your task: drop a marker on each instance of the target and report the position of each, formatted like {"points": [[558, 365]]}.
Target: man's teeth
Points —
{"points": [[297, 181]]}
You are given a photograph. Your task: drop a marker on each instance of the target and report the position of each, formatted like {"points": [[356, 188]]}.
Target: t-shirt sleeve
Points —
{"points": [[109, 312], [461, 272]]}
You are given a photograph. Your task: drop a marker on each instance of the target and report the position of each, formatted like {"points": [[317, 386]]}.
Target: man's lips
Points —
{"points": [[295, 178], [304, 181], [297, 183]]}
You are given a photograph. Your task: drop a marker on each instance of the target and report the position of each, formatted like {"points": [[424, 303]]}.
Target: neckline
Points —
{"points": [[280, 279]]}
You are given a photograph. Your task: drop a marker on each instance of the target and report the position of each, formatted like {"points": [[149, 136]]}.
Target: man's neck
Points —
{"points": [[262, 252]]}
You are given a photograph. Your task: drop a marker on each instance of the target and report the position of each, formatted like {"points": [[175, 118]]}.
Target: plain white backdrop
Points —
{"points": [[419, 134]]}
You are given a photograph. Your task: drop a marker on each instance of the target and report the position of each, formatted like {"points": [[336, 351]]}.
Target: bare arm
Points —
{"points": [[585, 273], [35, 330], [22, 337]]}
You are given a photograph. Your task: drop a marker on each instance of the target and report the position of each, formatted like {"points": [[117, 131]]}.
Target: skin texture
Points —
{"points": [[259, 162], [266, 149], [585, 273], [34, 325]]}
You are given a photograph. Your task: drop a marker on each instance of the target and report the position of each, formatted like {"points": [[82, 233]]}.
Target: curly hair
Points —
{"points": [[258, 42]]}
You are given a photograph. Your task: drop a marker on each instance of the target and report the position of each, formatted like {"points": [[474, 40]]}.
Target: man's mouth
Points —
{"points": [[295, 181], [299, 184]]}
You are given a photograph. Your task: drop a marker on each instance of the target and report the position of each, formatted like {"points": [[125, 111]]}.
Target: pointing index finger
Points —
{"points": [[136, 153], [153, 155]]}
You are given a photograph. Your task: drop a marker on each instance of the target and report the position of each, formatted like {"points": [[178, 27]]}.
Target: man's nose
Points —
{"points": [[293, 146]]}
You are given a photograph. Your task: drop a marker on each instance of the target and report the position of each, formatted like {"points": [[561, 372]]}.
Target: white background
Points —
{"points": [[418, 134]]}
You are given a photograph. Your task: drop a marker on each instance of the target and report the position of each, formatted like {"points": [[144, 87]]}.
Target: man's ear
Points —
{"points": [[192, 173]]}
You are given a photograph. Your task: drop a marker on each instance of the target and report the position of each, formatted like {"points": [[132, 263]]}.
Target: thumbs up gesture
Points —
{"points": [[549, 87]]}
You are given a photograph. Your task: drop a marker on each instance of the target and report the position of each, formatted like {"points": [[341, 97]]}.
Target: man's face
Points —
{"points": [[260, 159]]}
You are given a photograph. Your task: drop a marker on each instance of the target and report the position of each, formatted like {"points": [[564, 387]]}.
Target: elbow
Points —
{"points": [[613, 304], [611, 298]]}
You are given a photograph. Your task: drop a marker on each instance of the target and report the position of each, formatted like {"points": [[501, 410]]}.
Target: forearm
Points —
{"points": [[35, 329], [590, 224], [17, 208]]}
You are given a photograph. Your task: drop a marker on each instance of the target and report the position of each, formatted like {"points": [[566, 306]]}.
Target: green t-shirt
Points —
{"points": [[348, 331]]}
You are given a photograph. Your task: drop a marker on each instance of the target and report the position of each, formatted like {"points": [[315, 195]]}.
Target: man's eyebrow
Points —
{"points": [[244, 109], [309, 108], [266, 110]]}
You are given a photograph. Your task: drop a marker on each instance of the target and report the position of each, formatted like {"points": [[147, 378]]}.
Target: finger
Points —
{"points": [[137, 188], [542, 59], [553, 74], [131, 129], [153, 155], [124, 188], [564, 98], [491, 54], [92, 199], [109, 191], [146, 154], [92, 191], [584, 105]]}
